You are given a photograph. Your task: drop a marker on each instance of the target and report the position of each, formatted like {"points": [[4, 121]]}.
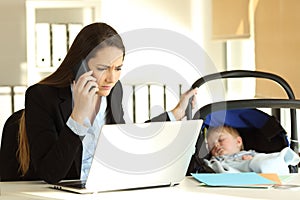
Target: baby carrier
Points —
{"points": [[260, 131]]}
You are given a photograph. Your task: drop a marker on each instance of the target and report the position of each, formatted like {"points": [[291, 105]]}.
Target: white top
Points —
{"points": [[90, 133]]}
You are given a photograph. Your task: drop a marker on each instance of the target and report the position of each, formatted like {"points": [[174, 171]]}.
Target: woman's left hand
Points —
{"points": [[179, 110]]}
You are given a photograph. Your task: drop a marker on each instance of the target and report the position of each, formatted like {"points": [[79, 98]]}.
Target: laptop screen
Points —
{"points": [[141, 155], [134, 155]]}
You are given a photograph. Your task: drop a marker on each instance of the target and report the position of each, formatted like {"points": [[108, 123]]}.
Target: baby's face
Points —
{"points": [[223, 143]]}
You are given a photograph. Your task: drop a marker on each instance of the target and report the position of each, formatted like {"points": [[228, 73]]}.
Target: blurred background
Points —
{"points": [[235, 34]]}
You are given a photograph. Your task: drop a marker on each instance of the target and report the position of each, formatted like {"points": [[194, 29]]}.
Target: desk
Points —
{"points": [[187, 189]]}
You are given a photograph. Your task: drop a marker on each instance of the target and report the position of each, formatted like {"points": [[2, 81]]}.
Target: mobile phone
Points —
{"points": [[82, 69]]}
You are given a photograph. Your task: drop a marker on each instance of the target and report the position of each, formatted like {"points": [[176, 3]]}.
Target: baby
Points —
{"points": [[226, 147]]}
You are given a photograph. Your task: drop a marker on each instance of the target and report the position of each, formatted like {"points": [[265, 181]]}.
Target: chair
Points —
{"points": [[9, 164]]}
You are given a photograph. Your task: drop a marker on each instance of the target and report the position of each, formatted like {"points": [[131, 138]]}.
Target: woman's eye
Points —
{"points": [[119, 68]]}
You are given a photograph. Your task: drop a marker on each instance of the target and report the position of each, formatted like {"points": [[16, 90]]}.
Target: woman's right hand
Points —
{"points": [[84, 97]]}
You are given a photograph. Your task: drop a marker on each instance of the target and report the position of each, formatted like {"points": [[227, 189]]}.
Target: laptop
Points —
{"points": [[132, 156]]}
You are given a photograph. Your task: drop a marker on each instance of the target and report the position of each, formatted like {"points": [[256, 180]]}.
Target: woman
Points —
{"points": [[63, 114]]}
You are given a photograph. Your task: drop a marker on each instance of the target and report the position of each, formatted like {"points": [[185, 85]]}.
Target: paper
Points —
{"points": [[246, 179], [272, 177]]}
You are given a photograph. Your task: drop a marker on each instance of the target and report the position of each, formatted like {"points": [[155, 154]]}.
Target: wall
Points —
{"points": [[191, 18], [277, 41], [12, 53], [13, 42]]}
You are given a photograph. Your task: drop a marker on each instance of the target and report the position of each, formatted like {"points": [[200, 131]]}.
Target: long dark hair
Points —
{"points": [[90, 39]]}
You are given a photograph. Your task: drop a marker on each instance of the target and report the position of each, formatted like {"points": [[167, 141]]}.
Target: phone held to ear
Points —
{"points": [[82, 69]]}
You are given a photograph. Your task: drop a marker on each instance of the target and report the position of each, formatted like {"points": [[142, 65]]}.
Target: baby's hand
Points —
{"points": [[247, 157]]}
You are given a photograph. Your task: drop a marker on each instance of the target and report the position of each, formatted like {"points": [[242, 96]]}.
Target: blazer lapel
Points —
{"points": [[114, 105], [65, 106]]}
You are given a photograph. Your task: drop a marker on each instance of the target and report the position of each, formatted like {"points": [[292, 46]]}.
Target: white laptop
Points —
{"points": [[131, 156]]}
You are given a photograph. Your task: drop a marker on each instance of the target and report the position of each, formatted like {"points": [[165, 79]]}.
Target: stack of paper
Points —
{"points": [[247, 179]]}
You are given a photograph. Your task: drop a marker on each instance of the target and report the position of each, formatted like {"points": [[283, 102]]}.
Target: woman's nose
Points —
{"points": [[111, 75]]}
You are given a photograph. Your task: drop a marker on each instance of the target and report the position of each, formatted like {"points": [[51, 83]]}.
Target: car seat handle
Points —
{"points": [[243, 74], [238, 74]]}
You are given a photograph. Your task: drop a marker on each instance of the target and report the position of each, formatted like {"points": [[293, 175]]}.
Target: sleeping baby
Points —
{"points": [[226, 147]]}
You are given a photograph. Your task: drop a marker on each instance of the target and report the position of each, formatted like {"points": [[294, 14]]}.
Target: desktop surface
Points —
{"points": [[188, 188]]}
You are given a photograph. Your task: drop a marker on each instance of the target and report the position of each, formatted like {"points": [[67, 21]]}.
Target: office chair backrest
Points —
{"points": [[9, 167], [9, 145]]}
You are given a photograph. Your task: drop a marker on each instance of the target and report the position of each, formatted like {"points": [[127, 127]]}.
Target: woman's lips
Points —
{"points": [[106, 87]]}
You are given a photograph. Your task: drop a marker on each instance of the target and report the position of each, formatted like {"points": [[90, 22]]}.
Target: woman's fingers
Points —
{"points": [[86, 82]]}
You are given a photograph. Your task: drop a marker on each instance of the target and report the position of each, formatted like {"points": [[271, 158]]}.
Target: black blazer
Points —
{"points": [[55, 151]]}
